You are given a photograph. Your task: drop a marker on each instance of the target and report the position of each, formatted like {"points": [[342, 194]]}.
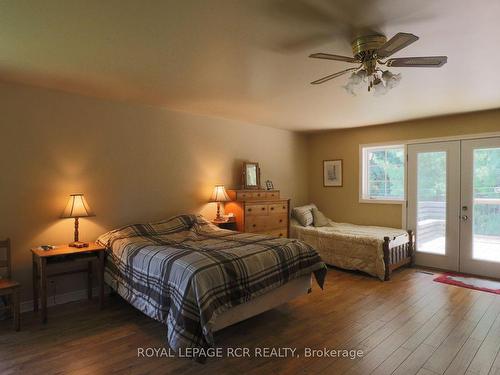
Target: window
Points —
{"points": [[383, 173]]}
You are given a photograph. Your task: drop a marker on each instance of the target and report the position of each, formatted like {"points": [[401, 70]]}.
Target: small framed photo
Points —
{"points": [[269, 185], [332, 173]]}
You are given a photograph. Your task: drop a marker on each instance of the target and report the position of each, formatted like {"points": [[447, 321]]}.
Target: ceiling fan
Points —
{"points": [[369, 52]]}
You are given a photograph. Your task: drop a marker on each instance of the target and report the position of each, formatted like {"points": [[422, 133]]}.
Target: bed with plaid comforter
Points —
{"points": [[185, 271]]}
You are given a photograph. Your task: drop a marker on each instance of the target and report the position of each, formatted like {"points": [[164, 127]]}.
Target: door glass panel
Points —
{"points": [[486, 200], [431, 202]]}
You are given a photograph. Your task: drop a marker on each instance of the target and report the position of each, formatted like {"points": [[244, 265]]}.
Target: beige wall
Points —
{"points": [[342, 204], [139, 163], [134, 163]]}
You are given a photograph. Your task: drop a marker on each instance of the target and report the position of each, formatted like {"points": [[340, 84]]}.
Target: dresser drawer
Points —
{"points": [[276, 232], [244, 195], [260, 195], [248, 195], [277, 221], [273, 195], [265, 223], [278, 208], [256, 209]]}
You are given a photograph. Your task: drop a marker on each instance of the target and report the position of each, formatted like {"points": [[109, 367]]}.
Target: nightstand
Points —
{"points": [[63, 254], [229, 224]]}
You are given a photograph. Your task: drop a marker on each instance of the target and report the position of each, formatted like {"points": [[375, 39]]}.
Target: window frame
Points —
{"points": [[363, 172]]}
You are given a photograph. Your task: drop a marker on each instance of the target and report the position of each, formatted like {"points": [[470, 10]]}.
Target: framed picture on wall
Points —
{"points": [[332, 173]]}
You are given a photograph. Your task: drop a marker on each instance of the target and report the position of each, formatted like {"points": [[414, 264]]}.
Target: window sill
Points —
{"points": [[382, 201]]}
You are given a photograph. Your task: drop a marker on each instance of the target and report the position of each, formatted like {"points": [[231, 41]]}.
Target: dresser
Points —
{"points": [[260, 211]]}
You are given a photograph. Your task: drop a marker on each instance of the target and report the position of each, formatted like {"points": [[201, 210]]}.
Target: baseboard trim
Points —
{"points": [[60, 299]]}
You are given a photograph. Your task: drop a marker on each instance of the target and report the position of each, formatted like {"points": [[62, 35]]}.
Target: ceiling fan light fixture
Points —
{"points": [[391, 80], [352, 84], [354, 79], [379, 88], [368, 51], [355, 82], [350, 88], [360, 76]]}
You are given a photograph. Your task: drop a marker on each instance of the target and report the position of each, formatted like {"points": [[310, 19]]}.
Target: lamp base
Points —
{"points": [[78, 244]]}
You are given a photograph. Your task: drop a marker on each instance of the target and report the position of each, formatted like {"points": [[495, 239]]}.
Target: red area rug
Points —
{"points": [[469, 282]]}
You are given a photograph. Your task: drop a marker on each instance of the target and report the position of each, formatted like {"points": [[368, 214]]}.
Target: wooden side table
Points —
{"points": [[227, 224], [64, 254]]}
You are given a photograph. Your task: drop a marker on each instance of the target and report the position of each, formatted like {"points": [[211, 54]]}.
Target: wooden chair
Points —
{"points": [[9, 287]]}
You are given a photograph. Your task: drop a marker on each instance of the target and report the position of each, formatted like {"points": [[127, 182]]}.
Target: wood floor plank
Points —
{"points": [[495, 368], [413, 364], [399, 294], [446, 352], [443, 330], [424, 371], [409, 330], [485, 356], [392, 362], [424, 346], [430, 326], [399, 325], [371, 342], [384, 349], [463, 359]]}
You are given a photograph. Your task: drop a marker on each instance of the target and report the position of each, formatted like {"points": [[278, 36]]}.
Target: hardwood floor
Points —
{"points": [[409, 325]]}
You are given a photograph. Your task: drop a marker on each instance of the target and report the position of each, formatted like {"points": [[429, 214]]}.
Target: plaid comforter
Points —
{"points": [[185, 271]]}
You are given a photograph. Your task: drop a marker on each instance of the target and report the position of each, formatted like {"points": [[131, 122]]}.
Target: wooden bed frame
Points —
{"points": [[398, 254]]}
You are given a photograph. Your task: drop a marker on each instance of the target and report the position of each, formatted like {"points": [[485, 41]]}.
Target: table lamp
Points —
{"points": [[77, 207], [219, 195]]}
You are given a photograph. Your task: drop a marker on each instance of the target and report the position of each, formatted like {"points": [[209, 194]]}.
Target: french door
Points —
{"points": [[454, 204], [434, 203]]}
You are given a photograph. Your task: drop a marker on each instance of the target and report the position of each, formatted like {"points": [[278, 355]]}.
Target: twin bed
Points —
{"points": [[375, 250]]}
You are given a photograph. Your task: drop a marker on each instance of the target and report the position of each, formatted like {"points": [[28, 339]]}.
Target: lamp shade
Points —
{"points": [[219, 194], [77, 207]]}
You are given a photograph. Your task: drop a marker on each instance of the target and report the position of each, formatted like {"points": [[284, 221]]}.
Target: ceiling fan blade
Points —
{"points": [[332, 76], [396, 43], [328, 56], [422, 62]]}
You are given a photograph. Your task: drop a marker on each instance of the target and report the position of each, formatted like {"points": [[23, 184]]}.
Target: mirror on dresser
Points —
{"points": [[251, 175]]}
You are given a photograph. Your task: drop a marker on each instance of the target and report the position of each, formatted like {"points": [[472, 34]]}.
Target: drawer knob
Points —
{"points": [[249, 209], [254, 225], [272, 208], [281, 234], [263, 208], [281, 220], [284, 207]]}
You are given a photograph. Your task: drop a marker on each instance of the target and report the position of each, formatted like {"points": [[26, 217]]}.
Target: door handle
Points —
{"points": [[464, 217]]}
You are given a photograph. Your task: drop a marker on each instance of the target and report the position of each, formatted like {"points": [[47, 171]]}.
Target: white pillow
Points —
{"points": [[319, 219], [303, 214]]}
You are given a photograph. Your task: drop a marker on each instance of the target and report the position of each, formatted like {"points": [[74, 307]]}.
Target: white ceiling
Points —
{"points": [[247, 59]]}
